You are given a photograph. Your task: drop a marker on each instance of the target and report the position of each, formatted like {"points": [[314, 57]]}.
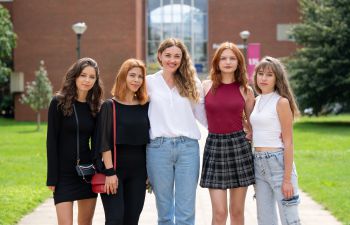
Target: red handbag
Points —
{"points": [[98, 180], [98, 183]]}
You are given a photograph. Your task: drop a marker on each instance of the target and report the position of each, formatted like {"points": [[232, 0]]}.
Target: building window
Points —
{"points": [[183, 19], [284, 32]]}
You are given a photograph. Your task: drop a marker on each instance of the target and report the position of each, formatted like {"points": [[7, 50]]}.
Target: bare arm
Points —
{"points": [[286, 119], [199, 108], [248, 108], [206, 86], [111, 183]]}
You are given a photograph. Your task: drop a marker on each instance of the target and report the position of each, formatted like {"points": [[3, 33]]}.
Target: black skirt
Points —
{"points": [[71, 187], [227, 161]]}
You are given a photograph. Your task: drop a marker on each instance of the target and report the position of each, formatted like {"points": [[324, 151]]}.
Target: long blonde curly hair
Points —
{"points": [[185, 75]]}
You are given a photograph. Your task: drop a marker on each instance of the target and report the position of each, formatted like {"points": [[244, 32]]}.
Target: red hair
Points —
{"points": [[240, 73], [120, 87]]}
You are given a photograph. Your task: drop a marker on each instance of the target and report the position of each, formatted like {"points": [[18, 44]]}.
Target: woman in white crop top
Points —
{"points": [[272, 124]]}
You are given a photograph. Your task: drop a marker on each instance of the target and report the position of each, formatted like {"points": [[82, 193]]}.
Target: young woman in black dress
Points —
{"points": [[81, 87], [126, 186]]}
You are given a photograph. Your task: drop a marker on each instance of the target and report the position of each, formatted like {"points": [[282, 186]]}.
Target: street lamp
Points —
{"points": [[79, 29], [245, 35]]}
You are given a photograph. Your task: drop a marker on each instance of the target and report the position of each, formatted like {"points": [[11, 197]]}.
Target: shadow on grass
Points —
{"points": [[29, 131], [325, 123], [5, 122]]}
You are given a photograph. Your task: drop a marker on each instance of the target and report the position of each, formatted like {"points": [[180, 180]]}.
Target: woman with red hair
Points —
{"points": [[228, 159], [125, 186]]}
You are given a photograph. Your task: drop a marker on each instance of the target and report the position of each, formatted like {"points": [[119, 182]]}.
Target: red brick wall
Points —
{"points": [[44, 30], [116, 31], [228, 18]]}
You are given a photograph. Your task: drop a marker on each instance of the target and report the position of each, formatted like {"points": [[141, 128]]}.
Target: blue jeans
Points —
{"points": [[269, 172], [173, 170]]}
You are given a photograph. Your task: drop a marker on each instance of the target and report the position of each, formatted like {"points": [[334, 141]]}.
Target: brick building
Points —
{"points": [[118, 30]]}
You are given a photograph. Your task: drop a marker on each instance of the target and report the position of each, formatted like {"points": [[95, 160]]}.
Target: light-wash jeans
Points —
{"points": [[269, 171], [173, 170]]}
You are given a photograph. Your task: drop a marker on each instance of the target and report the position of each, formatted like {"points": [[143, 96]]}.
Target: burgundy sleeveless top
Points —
{"points": [[224, 109]]}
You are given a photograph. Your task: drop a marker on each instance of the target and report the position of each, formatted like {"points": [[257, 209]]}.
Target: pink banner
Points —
{"points": [[253, 55]]}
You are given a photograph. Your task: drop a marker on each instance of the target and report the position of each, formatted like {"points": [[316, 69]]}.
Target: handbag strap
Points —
{"points": [[77, 121], [114, 136]]}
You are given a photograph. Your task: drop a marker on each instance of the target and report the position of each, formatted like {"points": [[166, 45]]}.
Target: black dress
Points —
{"points": [[62, 152], [132, 132]]}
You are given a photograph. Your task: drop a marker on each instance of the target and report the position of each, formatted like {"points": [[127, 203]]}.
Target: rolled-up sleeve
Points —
{"points": [[199, 107]]}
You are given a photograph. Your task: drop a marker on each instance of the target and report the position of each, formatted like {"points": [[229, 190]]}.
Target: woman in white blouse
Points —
{"points": [[176, 101]]}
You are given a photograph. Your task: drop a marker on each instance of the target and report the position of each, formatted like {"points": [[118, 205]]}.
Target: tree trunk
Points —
{"points": [[38, 120]]}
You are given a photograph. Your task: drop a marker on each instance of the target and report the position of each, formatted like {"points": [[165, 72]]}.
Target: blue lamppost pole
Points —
{"points": [[79, 29], [245, 35]]}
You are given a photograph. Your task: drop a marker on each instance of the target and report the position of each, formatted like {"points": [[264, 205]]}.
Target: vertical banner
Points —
{"points": [[253, 55]]}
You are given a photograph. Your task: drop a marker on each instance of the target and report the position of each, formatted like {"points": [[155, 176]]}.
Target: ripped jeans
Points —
{"points": [[269, 171]]}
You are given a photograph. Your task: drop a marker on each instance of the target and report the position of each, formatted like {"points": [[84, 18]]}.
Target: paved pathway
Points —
{"points": [[310, 212]]}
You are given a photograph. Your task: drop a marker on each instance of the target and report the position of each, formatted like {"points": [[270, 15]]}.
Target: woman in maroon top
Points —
{"points": [[227, 160]]}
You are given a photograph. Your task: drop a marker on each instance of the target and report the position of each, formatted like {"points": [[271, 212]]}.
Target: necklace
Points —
{"points": [[261, 105]]}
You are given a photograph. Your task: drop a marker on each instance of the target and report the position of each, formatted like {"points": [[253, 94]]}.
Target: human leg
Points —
{"points": [[265, 198], [160, 170], [86, 209], [186, 180], [218, 199], [288, 208], [113, 205], [134, 196], [64, 211], [237, 200]]}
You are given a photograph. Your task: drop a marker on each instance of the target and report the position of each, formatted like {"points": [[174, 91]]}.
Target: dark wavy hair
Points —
{"points": [[68, 91]]}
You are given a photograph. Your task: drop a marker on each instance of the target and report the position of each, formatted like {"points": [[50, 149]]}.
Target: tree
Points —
{"points": [[38, 93], [320, 70], [7, 43]]}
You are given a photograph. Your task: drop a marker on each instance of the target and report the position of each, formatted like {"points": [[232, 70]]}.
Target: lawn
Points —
{"points": [[322, 155], [23, 169]]}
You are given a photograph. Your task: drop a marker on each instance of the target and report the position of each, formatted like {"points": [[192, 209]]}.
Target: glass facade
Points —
{"points": [[183, 19]]}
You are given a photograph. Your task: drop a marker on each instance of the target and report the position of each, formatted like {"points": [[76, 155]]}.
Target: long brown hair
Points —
{"points": [[282, 86], [68, 91], [185, 74], [240, 73], [120, 87]]}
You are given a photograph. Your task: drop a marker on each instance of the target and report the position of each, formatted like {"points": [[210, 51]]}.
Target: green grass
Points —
{"points": [[322, 155], [22, 169]]}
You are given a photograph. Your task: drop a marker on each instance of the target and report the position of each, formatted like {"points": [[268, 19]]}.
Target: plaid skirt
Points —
{"points": [[227, 161]]}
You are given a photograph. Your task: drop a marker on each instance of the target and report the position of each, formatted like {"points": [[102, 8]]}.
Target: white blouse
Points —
{"points": [[170, 114]]}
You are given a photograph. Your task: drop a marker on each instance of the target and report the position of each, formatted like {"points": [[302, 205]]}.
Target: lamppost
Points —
{"points": [[245, 35], [79, 29]]}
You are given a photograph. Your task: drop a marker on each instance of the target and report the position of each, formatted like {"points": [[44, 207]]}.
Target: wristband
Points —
{"points": [[109, 172]]}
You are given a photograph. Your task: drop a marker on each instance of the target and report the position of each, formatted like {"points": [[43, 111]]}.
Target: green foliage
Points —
{"points": [[23, 169], [7, 43], [320, 70], [38, 93]]}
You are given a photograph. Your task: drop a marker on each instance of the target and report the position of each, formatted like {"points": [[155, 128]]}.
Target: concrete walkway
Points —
{"points": [[310, 212]]}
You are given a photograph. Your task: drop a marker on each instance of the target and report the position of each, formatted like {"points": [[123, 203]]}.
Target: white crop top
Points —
{"points": [[265, 122]]}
